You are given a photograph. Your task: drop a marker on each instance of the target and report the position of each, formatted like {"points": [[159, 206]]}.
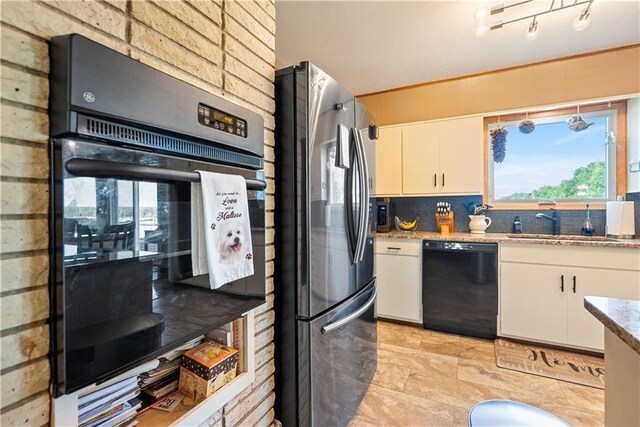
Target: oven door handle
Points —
{"points": [[106, 169]]}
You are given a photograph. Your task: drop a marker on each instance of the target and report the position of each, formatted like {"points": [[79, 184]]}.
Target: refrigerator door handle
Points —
{"points": [[332, 325], [364, 197], [342, 147], [352, 236]]}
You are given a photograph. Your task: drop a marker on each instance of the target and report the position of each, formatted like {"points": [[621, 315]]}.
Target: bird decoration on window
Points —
{"points": [[576, 122]]}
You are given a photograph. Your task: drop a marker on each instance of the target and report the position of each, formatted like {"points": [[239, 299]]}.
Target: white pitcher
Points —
{"points": [[478, 223]]}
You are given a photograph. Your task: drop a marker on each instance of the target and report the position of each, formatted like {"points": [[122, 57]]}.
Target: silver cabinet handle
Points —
{"points": [[335, 325]]}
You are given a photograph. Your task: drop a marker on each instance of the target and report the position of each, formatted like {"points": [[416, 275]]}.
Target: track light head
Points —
{"points": [[532, 31], [582, 21], [481, 13], [481, 30]]}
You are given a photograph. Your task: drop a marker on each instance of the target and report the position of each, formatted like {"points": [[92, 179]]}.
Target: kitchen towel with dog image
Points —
{"points": [[220, 228]]}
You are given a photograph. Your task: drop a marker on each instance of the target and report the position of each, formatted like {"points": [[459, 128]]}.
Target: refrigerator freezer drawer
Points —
{"points": [[343, 360]]}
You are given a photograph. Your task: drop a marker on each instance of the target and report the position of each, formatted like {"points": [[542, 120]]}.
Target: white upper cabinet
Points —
{"points": [[389, 162], [420, 152], [439, 157], [461, 156]]}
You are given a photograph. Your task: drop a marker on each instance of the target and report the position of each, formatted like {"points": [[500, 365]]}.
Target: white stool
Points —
{"points": [[496, 413]]}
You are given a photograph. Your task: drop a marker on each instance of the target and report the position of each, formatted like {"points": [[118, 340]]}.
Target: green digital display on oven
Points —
{"points": [[217, 115], [221, 121]]}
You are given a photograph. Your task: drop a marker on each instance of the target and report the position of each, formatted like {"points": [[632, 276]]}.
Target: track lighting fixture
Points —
{"points": [[579, 23]]}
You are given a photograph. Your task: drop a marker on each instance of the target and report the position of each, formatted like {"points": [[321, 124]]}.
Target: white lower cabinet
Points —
{"points": [[399, 279], [545, 302], [532, 304], [584, 330]]}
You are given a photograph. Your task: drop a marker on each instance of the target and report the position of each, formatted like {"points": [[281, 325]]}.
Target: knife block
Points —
{"points": [[445, 224]]}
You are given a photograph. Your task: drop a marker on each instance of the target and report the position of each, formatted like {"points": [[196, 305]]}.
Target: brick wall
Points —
{"points": [[225, 47]]}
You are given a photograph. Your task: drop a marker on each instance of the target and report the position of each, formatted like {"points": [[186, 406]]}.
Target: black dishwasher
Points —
{"points": [[460, 287]]}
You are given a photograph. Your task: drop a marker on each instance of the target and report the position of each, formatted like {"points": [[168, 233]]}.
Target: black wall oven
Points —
{"points": [[122, 287]]}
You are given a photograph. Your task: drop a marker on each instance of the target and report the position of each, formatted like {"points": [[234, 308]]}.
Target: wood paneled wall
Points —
{"points": [[596, 75]]}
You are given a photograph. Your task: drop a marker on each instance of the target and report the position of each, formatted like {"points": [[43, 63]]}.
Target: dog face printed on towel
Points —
{"points": [[231, 242]]}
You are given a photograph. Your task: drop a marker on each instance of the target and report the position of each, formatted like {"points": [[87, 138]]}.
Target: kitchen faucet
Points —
{"points": [[555, 220]]}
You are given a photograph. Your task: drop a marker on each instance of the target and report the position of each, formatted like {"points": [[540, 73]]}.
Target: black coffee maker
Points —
{"points": [[384, 216]]}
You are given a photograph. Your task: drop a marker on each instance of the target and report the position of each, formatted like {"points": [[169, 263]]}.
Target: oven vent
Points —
{"points": [[129, 135]]}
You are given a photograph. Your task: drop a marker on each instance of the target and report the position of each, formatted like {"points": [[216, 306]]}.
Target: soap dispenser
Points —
{"points": [[587, 227], [517, 225]]}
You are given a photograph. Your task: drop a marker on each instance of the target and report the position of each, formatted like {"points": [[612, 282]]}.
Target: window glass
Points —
{"points": [[80, 200], [124, 202], [554, 162], [149, 207]]}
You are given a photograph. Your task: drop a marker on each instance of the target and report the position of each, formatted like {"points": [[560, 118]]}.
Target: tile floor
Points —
{"points": [[426, 378]]}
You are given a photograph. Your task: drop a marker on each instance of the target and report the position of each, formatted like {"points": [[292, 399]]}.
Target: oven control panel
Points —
{"points": [[219, 120]]}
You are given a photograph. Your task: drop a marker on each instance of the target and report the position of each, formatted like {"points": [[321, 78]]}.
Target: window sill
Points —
{"points": [[561, 206]]}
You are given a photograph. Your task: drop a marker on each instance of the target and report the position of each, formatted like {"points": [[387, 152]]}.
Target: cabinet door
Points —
{"points": [[420, 159], [461, 156], [532, 303], [584, 330], [399, 281], [389, 162]]}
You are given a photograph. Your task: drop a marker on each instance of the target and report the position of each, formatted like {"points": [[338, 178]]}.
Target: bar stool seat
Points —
{"points": [[496, 413]]}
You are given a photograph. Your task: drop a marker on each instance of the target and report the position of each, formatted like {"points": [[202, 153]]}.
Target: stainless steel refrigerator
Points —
{"points": [[325, 331]]}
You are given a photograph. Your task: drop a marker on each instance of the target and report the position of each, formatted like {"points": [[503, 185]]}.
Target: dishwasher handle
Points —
{"points": [[455, 246]]}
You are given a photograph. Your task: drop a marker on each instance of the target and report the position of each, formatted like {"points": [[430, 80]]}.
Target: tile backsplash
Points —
{"points": [[407, 208], [635, 198]]}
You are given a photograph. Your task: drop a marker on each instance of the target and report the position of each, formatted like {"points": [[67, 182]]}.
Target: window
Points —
{"points": [[554, 162]]}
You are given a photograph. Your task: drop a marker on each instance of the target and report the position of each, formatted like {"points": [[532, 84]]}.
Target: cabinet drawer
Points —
{"points": [[579, 256], [408, 247]]}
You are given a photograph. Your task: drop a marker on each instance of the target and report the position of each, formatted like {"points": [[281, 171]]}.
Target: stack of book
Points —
{"points": [[161, 383], [114, 405]]}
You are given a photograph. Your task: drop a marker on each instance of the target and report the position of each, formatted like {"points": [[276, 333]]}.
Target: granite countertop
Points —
{"points": [[538, 239], [621, 316]]}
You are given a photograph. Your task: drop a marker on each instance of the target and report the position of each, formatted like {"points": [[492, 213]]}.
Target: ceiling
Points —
{"points": [[372, 46]]}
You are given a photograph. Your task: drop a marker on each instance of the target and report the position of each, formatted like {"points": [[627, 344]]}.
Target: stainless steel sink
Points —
{"points": [[561, 237]]}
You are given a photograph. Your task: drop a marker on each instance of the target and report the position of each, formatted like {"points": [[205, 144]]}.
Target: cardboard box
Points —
{"points": [[206, 368]]}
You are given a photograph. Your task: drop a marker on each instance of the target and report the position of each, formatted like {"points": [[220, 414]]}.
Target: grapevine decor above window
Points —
{"points": [[551, 158], [499, 143]]}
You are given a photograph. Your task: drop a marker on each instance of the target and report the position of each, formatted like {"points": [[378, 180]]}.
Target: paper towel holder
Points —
{"points": [[619, 221]]}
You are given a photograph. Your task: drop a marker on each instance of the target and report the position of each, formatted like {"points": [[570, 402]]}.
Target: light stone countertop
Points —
{"points": [[620, 316], [537, 239]]}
